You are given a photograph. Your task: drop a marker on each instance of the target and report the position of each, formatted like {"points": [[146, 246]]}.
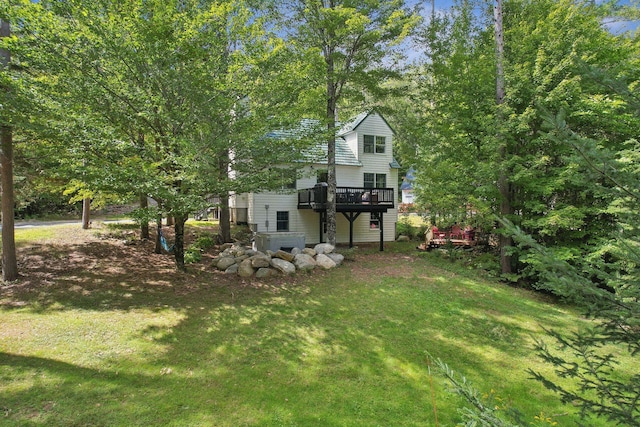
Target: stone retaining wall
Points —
{"points": [[235, 259]]}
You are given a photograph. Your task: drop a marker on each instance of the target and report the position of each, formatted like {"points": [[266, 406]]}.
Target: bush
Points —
{"points": [[193, 254], [405, 228]]}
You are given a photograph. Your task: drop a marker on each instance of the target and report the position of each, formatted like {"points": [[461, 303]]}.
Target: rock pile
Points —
{"points": [[246, 262]]}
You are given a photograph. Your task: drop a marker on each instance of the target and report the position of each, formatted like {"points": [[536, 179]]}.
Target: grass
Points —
{"points": [[105, 346]]}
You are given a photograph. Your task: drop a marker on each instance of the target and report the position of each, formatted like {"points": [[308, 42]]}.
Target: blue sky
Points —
{"points": [[615, 26]]}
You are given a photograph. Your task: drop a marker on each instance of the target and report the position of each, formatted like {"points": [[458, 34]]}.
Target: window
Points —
{"points": [[369, 180], [282, 221], [369, 143], [374, 144], [375, 180], [374, 221]]}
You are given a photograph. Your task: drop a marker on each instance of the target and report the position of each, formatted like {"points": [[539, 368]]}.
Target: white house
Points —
{"points": [[367, 188]]}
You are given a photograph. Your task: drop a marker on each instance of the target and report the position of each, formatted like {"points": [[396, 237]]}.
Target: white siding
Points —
{"points": [[277, 202], [238, 200]]}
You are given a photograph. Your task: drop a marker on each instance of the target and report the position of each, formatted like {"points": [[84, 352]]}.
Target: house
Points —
{"points": [[406, 187], [367, 187]]}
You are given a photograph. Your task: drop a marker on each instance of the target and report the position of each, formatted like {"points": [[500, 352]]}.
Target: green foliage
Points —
{"points": [[159, 111], [145, 215], [404, 227], [194, 252], [192, 255], [553, 52], [597, 388], [568, 133]]}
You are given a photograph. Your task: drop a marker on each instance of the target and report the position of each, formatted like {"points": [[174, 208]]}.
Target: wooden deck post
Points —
{"points": [[381, 216]]}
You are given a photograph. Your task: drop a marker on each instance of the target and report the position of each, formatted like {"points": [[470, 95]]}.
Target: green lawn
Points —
{"points": [[100, 346]]}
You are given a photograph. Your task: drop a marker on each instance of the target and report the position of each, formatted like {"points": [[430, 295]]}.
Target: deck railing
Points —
{"points": [[346, 197]]}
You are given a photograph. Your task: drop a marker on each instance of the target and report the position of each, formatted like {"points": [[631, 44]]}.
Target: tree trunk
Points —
{"points": [[9, 260], [331, 150], [158, 248], [503, 181], [224, 224], [86, 213], [178, 248], [144, 226]]}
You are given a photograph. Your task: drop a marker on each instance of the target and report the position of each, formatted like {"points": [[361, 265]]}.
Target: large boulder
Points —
{"points": [[241, 258], [284, 255], [263, 273], [309, 251], [304, 262], [336, 257], [323, 261], [324, 248], [232, 269], [237, 250], [225, 262], [245, 269], [284, 266], [260, 260]]}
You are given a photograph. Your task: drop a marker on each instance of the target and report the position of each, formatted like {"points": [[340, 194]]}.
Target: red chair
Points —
{"points": [[437, 234], [456, 232]]}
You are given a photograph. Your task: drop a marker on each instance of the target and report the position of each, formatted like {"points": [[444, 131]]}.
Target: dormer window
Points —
{"points": [[374, 144]]}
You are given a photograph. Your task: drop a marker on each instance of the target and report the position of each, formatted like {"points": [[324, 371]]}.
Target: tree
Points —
{"points": [[548, 44], [9, 261], [175, 76], [573, 117], [353, 38], [503, 182], [446, 123]]}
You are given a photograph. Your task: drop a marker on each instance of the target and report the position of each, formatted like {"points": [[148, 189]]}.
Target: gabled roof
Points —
{"points": [[318, 152], [344, 155], [353, 124], [407, 182]]}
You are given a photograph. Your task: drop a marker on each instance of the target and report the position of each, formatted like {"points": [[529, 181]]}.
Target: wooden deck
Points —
{"points": [[351, 202], [348, 199], [437, 239]]}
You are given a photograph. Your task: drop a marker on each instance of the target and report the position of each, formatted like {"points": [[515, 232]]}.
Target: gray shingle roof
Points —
{"points": [[344, 155], [352, 124]]}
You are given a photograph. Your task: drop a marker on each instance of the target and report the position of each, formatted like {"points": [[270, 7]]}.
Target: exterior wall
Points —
{"points": [[407, 196], [375, 125], [238, 208], [378, 163]]}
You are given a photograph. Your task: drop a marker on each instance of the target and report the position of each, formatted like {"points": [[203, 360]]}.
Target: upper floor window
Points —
{"points": [[374, 144]]}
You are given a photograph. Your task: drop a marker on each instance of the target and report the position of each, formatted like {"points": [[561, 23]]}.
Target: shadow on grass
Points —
{"points": [[329, 349]]}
